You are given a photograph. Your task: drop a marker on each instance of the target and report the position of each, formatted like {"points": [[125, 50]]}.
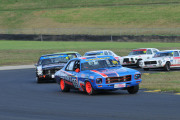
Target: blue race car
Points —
{"points": [[50, 63], [94, 73]]}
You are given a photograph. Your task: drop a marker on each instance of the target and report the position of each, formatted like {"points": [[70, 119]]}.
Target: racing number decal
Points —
{"points": [[75, 81]]}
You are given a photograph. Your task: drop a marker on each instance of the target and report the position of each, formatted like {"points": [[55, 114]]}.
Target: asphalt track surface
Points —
{"points": [[21, 98]]}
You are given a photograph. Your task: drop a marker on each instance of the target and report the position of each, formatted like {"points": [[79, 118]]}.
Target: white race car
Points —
{"points": [[137, 55], [163, 59], [103, 52]]}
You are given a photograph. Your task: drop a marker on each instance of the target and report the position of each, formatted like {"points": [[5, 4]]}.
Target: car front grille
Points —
{"points": [[118, 79], [150, 62], [126, 60], [50, 71]]}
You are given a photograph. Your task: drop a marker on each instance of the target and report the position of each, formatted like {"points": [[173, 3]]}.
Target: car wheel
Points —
{"points": [[146, 69], [64, 87], [89, 89], [38, 80], [137, 64], [167, 66], [133, 89]]}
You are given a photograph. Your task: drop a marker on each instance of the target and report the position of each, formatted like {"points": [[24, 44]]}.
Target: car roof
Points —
{"points": [[144, 48], [52, 54], [67, 52], [165, 51], [171, 50], [97, 51], [91, 57]]}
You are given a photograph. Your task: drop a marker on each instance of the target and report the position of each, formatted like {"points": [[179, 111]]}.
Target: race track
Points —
{"points": [[21, 98]]}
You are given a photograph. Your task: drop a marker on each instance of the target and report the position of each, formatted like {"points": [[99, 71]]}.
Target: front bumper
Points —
{"points": [[51, 76], [152, 66], [130, 63], [116, 86]]}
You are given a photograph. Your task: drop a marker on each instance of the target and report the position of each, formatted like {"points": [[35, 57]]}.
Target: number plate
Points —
{"points": [[120, 85], [52, 76]]}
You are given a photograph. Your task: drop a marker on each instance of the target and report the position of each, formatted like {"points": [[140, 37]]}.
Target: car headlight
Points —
{"points": [[99, 80], [160, 62], [137, 76], [140, 63], [39, 71]]}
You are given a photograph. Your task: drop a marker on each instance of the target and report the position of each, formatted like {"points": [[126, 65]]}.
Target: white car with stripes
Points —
{"points": [[163, 59]]}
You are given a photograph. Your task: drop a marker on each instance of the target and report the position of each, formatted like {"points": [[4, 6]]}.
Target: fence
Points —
{"points": [[95, 31]]}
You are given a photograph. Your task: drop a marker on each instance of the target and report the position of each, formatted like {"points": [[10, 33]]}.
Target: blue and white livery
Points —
{"points": [[94, 73]]}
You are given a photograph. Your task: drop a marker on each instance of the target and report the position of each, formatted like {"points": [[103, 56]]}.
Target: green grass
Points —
{"points": [[104, 16], [168, 81], [39, 4], [28, 52]]}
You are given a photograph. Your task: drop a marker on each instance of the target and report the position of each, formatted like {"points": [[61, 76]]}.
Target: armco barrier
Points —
{"points": [[123, 38]]}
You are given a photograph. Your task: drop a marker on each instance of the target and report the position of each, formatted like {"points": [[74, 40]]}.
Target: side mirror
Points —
{"points": [[36, 64], [77, 70]]}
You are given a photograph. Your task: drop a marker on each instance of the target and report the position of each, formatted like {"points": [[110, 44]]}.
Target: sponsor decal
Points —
{"points": [[53, 56], [98, 58], [83, 75], [67, 58], [81, 84], [115, 62], [91, 77]]}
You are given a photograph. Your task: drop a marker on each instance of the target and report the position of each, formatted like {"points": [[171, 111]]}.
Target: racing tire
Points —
{"points": [[145, 69], [89, 89], [133, 89], [167, 66], [137, 64], [38, 80], [64, 87]]}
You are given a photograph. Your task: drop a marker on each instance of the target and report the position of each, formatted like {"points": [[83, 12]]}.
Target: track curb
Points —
{"points": [[16, 67]]}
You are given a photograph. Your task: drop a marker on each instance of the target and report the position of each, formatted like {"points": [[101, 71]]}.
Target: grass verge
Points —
{"points": [[28, 52], [167, 81]]}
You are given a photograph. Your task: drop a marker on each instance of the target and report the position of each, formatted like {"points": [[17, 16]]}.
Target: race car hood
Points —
{"points": [[133, 56], [157, 58], [52, 66], [113, 72]]}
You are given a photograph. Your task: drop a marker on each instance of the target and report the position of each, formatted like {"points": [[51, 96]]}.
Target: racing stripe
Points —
{"points": [[102, 74], [175, 65], [176, 58], [116, 74], [66, 72]]}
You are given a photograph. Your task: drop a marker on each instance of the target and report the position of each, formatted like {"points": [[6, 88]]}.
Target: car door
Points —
{"points": [[68, 73], [176, 56], [75, 73]]}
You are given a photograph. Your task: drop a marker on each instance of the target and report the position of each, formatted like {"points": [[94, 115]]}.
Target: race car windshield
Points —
{"points": [[97, 64], [94, 53], [137, 52], [71, 56], [163, 54], [55, 60]]}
